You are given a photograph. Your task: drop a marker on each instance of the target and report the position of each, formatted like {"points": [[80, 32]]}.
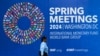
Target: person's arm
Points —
{"points": [[42, 49]]}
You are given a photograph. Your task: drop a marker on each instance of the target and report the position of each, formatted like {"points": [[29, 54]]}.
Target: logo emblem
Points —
{"points": [[10, 23]]}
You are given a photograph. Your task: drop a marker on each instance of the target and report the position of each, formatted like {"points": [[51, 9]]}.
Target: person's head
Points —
{"points": [[44, 39]]}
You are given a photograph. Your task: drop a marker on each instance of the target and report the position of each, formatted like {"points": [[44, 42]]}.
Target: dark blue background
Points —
{"points": [[9, 48], [92, 43]]}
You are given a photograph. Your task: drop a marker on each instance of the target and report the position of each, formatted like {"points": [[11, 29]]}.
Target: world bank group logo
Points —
{"points": [[23, 23]]}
